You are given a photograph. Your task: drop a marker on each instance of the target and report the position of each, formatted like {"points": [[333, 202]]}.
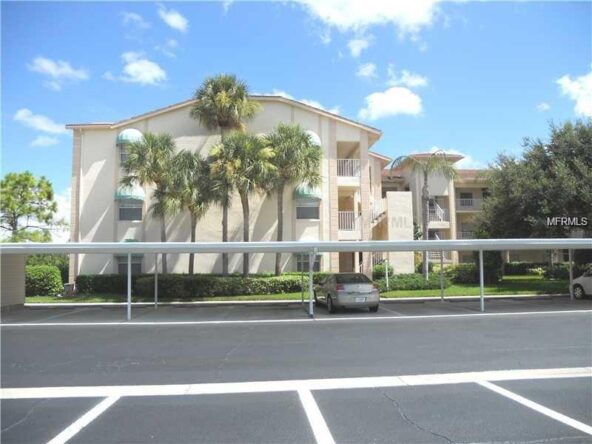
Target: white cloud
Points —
{"points": [[468, 161], [543, 106], [579, 90], [62, 235], [134, 20], [314, 103], [358, 45], [406, 78], [44, 141], [168, 48], [408, 17], [57, 72], [173, 18], [366, 70], [226, 4], [326, 36], [138, 69], [39, 122], [391, 102]]}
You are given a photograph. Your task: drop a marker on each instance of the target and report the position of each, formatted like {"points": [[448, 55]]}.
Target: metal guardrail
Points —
{"points": [[298, 246]]}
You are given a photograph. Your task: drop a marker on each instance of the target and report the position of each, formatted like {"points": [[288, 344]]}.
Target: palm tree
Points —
{"points": [[296, 159], [149, 164], [242, 162], [435, 163], [191, 190], [222, 103]]}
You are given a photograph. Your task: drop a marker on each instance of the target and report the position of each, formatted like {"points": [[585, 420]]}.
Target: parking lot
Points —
{"points": [[412, 373]]}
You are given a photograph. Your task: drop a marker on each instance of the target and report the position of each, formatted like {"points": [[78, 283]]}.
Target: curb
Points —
{"points": [[288, 301]]}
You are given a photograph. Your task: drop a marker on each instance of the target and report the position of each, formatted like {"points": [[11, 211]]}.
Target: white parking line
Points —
{"points": [[84, 420], [315, 418], [293, 321], [291, 385], [538, 407]]}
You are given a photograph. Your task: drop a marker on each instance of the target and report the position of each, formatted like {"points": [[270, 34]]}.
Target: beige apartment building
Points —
{"points": [[453, 207], [349, 205]]}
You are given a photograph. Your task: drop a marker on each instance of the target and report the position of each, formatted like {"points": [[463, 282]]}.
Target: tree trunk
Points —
{"points": [[425, 204], [225, 238], [280, 227], [193, 222], [245, 203], [163, 238]]}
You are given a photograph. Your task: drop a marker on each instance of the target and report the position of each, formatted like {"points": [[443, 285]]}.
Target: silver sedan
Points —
{"points": [[347, 290]]}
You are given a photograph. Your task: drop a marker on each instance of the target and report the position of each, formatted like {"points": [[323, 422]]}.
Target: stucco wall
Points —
{"points": [[12, 280], [100, 174], [400, 227]]}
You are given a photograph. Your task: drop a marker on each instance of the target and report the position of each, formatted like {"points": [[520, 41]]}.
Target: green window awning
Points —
{"points": [[304, 192], [129, 135], [134, 192]]}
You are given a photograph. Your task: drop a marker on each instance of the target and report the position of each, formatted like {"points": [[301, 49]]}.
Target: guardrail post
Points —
{"points": [[129, 286], [311, 258], [387, 271], [442, 276], [571, 294], [155, 280], [481, 279]]}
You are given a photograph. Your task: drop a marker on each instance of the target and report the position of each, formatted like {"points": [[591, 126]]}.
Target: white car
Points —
{"points": [[582, 286]]}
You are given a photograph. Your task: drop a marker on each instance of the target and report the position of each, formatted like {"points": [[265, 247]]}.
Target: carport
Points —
{"points": [[12, 256]]}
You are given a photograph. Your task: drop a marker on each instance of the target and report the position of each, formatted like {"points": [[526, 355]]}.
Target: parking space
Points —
{"points": [[410, 409]]}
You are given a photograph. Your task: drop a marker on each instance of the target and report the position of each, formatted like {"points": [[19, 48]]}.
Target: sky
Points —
{"points": [[474, 78]]}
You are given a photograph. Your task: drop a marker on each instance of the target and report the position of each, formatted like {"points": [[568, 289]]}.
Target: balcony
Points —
{"points": [[348, 172], [349, 226], [465, 235], [468, 204], [435, 256]]}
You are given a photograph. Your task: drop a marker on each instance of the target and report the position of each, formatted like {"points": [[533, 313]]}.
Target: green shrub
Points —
{"points": [[493, 264], [60, 260], [378, 272], [175, 286], [419, 267], [561, 271], [413, 281], [43, 280], [516, 268], [104, 283], [462, 273], [538, 271]]}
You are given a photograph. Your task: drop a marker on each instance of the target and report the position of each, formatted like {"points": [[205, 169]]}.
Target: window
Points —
{"points": [[352, 278], [130, 210], [307, 212], [136, 264], [122, 154], [302, 262]]}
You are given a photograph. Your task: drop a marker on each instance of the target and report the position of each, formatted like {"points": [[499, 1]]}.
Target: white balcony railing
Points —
{"points": [[349, 221], [348, 167], [438, 216], [435, 255], [464, 234], [469, 204]]}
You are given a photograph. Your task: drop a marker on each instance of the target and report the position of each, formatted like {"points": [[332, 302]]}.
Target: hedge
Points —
{"points": [[104, 283], [192, 286], [561, 271], [412, 281], [462, 273], [516, 268], [43, 280], [56, 259]]}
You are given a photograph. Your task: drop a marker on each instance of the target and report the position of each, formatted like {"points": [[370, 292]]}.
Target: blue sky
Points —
{"points": [[470, 77]]}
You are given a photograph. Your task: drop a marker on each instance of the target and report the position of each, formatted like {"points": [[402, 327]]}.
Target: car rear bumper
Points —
{"points": [[354, 299]]}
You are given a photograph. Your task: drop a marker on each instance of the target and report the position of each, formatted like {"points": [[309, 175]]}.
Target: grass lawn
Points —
{"points": [[509, 285]]}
